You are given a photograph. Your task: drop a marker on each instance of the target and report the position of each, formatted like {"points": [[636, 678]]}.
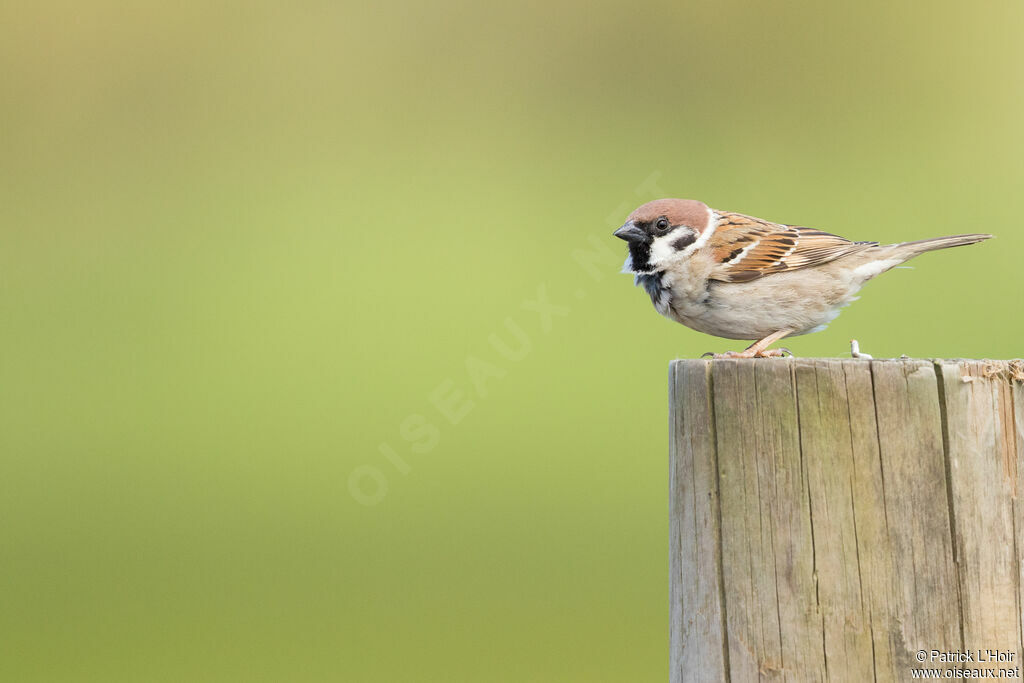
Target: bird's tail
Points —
{"points": [[921, 246], [884, 257]]}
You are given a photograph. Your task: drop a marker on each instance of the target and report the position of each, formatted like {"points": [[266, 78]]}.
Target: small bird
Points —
{"points": [[740, 277]]}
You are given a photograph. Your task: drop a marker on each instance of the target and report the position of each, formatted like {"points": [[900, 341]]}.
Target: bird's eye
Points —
{"points": [[662, 224]]}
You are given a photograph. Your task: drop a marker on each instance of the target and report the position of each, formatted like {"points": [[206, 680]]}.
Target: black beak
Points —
{"points": [[631, 233]]}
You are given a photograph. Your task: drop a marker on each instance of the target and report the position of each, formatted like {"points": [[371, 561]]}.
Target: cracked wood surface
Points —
{"points": [[832, 517]]}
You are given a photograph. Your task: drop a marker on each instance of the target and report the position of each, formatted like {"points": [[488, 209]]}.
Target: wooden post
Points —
{"points": [[833, 518]]}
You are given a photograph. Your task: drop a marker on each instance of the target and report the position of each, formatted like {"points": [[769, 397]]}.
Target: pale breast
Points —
{"points": [[804, 301]]}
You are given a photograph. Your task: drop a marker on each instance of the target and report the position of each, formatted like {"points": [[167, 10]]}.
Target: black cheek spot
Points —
{"points": [[684, 241]]}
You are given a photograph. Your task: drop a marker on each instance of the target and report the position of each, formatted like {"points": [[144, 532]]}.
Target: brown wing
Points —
{"points": [[747, 248]]}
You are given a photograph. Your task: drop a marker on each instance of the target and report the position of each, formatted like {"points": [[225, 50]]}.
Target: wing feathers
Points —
{"points": [[747, 248]]}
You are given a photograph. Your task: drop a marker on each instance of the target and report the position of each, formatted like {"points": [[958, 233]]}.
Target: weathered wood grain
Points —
{"points": [[696, 608], [831, 518], [984, 478], [827, 444], [874, 554], [924, 600]]}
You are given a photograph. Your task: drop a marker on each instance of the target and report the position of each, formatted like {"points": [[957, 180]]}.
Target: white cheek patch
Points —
{"points": [[662, 250]]}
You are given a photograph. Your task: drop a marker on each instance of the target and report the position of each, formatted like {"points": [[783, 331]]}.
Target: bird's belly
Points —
{"points": [[756, 309]]}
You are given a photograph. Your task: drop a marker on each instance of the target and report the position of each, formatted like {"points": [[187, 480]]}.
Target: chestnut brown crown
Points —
{"points": [[688, 212]]}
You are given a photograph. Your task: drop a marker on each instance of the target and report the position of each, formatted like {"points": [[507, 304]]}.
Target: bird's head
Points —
{"points": [[664, 231]]}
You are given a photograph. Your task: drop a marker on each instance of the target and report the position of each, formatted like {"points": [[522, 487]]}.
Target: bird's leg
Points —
{"points": [[759, 349]]}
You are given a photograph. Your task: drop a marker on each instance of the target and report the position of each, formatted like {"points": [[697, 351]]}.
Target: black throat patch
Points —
{"points": [[640, 255]]}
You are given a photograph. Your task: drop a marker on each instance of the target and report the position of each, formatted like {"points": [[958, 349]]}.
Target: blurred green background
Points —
{"points": [[253, 255]]}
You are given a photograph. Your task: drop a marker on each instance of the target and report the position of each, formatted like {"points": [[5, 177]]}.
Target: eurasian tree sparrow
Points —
{"points": [[740, 277]]}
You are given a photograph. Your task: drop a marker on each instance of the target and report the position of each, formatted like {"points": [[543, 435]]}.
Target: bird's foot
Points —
{"points": [[750, 353], [759, 349]]}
